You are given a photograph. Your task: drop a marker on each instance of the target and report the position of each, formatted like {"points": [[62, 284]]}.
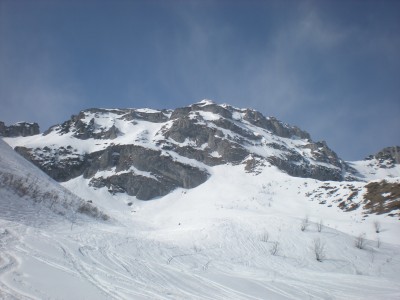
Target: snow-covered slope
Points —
{"points": [[373, 170], [30, 204], [229, 238], [24, 186], [384, 164], [147, 153], [250, 230]]}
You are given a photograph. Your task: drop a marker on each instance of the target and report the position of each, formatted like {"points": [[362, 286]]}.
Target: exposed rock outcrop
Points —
{"points": [[387, 156], [19, 129], [230, 138], [276, 127], [61, 164], [138, 171], [147, 153], [2, 129]]}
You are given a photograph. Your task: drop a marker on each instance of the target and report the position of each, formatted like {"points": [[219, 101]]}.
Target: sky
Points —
{"points": [[331, 68]]}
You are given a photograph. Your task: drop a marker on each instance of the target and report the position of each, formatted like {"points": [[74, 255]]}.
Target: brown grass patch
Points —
{"points": [[382, 197]]}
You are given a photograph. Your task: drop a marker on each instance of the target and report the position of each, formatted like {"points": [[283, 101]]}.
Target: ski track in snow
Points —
{"points": [[121, 265], [224, 259], [204, 243]]}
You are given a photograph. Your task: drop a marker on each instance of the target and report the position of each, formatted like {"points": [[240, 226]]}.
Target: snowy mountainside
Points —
{"points": [[249, 230], [148, 153], [236, 238], [385, 163], [23, 184]]}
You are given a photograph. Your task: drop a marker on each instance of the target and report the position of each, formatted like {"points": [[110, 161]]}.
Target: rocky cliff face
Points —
{"points": [[224, 134], [19, 129], [387, 157], [148, 153], [135, 170]]}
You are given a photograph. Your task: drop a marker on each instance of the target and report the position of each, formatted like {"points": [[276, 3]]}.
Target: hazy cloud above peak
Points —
{"points": [[329, 67]]}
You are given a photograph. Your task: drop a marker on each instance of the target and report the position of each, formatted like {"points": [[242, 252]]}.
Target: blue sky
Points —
{"points": [[330, 67]]}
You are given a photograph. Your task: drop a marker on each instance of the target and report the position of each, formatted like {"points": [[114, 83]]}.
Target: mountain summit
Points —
{"points": [[247, 207], [147, 153]]}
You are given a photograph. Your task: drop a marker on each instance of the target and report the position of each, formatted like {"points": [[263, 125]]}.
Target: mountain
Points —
{"points": [[234, 222], [19, 129], [148, 153], [385, 163]]}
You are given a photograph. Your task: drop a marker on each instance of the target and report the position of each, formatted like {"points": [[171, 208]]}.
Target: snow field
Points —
{"points": [[210, 242], [237, 236], [228, 259]]}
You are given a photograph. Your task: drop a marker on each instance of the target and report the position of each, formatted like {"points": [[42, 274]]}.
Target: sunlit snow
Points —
{"points": [[215, 241]]}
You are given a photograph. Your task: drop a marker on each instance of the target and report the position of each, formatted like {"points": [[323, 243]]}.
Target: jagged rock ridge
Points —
{"points": [[19, 129], [147, 153], [387, 157]]}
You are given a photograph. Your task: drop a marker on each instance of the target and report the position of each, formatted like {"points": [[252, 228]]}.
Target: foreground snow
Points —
{"points": [[123, 263], [216, 241]]}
